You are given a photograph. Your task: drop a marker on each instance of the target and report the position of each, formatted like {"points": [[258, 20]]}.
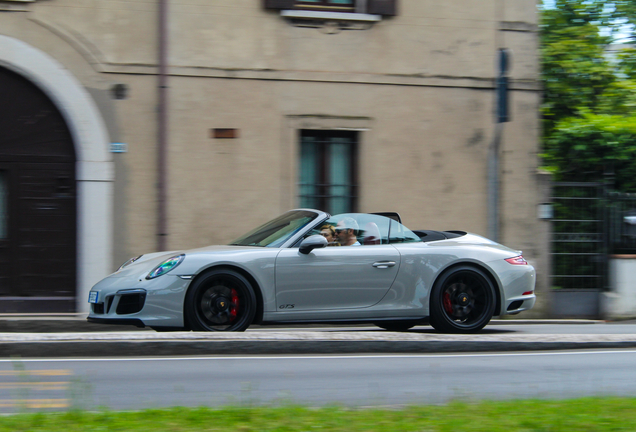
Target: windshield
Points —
{"points": [[276, 232]]}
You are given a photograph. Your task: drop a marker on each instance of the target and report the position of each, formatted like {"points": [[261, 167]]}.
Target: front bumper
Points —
{"points": [[140, 302]]}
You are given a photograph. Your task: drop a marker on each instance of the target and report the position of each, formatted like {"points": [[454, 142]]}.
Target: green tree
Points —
{"points": [[589, 123]]}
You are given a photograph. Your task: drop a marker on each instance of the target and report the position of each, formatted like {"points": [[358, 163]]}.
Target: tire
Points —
{"points": [[463, 301], [221, 300], [395, 326]]}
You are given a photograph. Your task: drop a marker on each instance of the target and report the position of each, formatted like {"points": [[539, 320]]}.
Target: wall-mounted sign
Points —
{"points": [[545, 211], [224, 133], [118, 147]]}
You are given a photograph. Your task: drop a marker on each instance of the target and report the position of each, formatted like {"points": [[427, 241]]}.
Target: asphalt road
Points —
{"points": [[353, 380]]}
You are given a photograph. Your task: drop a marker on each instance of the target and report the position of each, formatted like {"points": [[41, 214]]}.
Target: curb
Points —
{"points": [[204, 348], [50, 336], [65, 345]]}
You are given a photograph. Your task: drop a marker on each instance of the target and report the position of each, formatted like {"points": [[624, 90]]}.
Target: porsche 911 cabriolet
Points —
{"points": [[307, 266]]}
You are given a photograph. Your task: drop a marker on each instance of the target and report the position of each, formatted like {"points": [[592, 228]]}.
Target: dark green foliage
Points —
{"points": [[590, 91]]}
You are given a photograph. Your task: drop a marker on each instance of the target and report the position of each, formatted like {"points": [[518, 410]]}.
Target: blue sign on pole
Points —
{"points": [[502, 87]]}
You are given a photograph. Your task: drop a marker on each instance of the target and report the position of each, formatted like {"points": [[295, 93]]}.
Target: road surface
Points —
{"points": [[352, 380]]}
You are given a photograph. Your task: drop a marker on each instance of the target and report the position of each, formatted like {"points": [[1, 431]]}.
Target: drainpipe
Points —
{"points": [[501, 115], [162, 127]]}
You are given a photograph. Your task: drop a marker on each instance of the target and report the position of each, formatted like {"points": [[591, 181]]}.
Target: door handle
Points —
{"points": [[383, 264]]}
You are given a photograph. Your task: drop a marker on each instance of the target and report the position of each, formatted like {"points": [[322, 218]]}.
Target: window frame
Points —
{"points": [[323, 182], [360, 7], [326, 5]]}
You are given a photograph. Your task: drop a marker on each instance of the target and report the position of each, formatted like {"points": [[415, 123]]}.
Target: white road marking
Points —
{"points": [[34, 403]]}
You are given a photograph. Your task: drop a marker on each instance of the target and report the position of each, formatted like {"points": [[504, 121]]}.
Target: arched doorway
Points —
{"points": [[38, 201], [94, 168]]}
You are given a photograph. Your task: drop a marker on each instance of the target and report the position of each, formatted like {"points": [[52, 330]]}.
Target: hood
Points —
{"points": [[148, 262]]}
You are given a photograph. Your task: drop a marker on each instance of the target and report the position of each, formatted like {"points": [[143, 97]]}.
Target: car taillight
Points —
{"points": [[518, 260]]}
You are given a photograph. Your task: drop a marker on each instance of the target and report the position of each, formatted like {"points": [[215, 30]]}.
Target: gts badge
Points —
{"points": [[287, 306]]}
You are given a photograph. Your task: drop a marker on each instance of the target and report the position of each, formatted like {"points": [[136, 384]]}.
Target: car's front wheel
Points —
{"points": [[462, 301], [220, 300]]}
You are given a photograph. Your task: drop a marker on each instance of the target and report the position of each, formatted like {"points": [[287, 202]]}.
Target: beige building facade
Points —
{"points": [[406, 86]]}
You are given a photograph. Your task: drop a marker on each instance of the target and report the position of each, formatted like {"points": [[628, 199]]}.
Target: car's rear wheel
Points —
{"points": [[463, 301], [396, 326], [221, 300]]}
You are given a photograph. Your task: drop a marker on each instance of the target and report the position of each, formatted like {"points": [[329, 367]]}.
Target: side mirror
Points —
{"points": [[312, 242]]}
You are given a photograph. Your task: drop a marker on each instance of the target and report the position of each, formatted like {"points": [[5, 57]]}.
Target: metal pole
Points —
{"points": [[493, 184], [162, 127], [501, 116]]}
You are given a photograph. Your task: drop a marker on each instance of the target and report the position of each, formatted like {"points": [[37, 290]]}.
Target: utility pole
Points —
{"points": [[501, 116]]}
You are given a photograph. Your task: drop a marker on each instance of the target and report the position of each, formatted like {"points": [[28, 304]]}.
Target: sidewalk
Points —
{"points": [[71, 336]]}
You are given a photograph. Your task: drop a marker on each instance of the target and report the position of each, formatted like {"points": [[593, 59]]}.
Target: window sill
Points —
{"points": [[334, 16]]}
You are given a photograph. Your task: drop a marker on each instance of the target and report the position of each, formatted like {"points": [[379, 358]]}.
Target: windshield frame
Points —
{"points": [[292, 238]]}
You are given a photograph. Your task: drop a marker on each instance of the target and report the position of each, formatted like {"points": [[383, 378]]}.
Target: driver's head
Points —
{"points": [[347, 230]]}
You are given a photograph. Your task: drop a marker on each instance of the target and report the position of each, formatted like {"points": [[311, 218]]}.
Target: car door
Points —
{"points": [[335, 277]]}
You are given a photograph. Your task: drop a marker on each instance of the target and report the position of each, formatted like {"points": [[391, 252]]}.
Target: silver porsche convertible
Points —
{"points": [[307, 266]]}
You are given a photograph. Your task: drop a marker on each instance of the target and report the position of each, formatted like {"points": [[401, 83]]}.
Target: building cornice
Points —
{"points": [[417, 80]]}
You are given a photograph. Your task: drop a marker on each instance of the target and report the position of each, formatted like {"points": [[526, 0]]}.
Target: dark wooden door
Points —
{"points": [[6, 247], [37, 201]]}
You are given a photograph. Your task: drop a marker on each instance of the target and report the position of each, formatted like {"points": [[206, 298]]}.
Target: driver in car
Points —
{"points": [[346, 230]]}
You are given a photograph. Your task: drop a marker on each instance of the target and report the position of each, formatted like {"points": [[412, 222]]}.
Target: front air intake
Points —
{"points": [[131, 303], [98, 308]]}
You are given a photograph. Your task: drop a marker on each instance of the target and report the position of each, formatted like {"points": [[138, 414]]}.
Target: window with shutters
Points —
{"points": [[328, 170], [375, 7]]}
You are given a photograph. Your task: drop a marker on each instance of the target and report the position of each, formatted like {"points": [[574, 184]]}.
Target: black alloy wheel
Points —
{"points": [[221, 300], [462, 301]]}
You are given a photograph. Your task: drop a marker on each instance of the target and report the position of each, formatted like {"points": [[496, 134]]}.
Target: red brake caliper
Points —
{"points": [[447, 304], [234, 305]]}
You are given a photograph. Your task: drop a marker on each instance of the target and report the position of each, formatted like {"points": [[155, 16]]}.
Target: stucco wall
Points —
{"points": [[418, 87]]}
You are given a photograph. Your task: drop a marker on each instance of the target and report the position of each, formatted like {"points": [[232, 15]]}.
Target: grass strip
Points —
{"points": [[581, 415]]}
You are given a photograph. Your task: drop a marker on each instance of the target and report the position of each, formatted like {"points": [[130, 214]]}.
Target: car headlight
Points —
{"points": [[166, 266], [129, 262]]}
